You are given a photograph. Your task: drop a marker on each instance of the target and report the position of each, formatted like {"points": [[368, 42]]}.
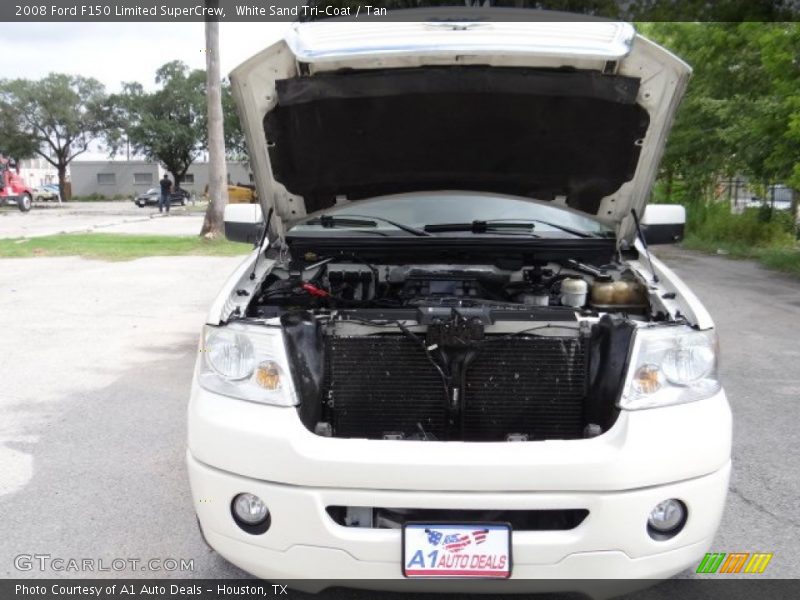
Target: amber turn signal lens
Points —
{"points": [[268, 375], [647, 379]]}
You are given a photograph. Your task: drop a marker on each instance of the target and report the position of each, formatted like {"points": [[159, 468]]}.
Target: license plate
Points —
{"points": [[457, 550]]}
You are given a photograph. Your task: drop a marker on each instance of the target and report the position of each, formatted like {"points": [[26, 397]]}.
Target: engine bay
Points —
{"points": [[346, 283], [435, 351]]}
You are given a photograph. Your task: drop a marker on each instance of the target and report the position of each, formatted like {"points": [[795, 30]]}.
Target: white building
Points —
{"points": [[128, 178], [37, 171], [113, 178]]}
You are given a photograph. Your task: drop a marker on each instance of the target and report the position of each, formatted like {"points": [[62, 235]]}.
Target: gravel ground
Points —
{"points": [[48, 218]]}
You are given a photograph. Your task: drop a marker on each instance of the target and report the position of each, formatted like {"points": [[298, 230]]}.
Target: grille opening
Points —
{"points": [[385, 387], [520, 520]]}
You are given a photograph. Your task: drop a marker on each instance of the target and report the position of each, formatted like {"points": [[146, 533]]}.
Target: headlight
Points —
{"points": [[230, 354], [246, 362], [691, 359], [670, 365]]}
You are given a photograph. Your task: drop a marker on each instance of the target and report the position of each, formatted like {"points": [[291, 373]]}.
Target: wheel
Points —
{"points": [[140, 204], [25, 202]]}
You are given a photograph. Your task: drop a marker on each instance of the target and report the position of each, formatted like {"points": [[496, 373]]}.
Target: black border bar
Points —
{"points": [[90, 11], [707, 587]]}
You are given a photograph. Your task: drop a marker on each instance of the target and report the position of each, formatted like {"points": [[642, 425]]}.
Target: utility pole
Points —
{"points": [[213, 223]]}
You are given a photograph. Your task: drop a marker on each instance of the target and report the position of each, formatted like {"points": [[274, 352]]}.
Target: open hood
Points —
{"points": [[575, 113]]}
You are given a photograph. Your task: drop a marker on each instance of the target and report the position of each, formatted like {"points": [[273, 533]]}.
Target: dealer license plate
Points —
{"points": [[457, 550]]}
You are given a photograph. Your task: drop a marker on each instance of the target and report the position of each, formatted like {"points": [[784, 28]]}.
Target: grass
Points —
{"points": [[112, 246], [762, 234]]}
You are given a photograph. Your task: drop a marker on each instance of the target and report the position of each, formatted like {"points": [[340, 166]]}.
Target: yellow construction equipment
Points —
{"points": [[242, 194]]}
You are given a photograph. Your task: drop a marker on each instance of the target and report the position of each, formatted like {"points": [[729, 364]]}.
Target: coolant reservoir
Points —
{"points": [[622, 292], [573, 292], [603, 290], [606, 292]]}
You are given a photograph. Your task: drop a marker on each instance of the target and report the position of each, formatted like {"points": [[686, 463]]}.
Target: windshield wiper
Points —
{"points": [[477, 227], [329, 221], [502, 225]]}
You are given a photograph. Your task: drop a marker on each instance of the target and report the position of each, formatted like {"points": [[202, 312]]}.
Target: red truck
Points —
{"points": [[13, 189]]}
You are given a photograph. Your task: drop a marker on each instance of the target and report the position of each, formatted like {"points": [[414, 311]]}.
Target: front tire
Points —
{"points": [[25, 202]]}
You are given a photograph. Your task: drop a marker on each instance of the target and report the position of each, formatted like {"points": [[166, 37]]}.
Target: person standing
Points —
{"points": [[166, 188]]}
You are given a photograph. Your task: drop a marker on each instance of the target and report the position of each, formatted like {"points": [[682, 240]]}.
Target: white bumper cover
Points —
{"points": [[648, 456]]}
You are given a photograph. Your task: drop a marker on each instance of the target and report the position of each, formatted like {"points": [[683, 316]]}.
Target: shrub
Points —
{"points": [[714, 223]]}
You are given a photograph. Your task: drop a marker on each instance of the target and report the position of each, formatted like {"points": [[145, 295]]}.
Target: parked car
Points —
{"points": [[152, 196], [46, 192], [450, 355]]}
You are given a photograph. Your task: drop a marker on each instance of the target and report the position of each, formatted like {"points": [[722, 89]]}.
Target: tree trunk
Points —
{"points": [[213, 225], [176, 178], [62, 180]]}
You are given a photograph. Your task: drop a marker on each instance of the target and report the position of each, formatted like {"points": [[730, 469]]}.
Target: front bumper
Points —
{"points": [[648, 456], [304, 543], [643, 448]]}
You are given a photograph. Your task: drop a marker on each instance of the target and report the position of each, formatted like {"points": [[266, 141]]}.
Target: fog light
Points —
{"points": [[250, 510], [667, 518]]}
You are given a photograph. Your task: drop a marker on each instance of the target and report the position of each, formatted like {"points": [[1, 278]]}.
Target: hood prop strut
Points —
{"points": [[261, 241], [640, 233]]}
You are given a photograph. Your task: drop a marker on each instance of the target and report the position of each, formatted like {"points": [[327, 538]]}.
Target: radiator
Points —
{"points": [[381, 384]]}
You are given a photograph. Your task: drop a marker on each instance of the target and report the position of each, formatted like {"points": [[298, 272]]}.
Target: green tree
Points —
{"points": [[695, 153], [13, 141], [56, 117], [779, 108], [167, 125], [235, 145], [740, 113]]}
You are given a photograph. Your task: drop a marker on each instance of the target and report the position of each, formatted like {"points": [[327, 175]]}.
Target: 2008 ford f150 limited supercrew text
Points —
{"points": [[450, 355]]}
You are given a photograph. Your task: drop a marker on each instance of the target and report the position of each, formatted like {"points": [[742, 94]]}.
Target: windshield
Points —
{"points": [[425, 209]]}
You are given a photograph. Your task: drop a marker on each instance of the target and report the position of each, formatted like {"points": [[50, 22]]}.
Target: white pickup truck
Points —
{"points": [[450, 356]]}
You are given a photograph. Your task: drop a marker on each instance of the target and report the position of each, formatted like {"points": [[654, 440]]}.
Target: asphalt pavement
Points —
{"points": [[757, 314], [96, 365], [50, 218]]}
